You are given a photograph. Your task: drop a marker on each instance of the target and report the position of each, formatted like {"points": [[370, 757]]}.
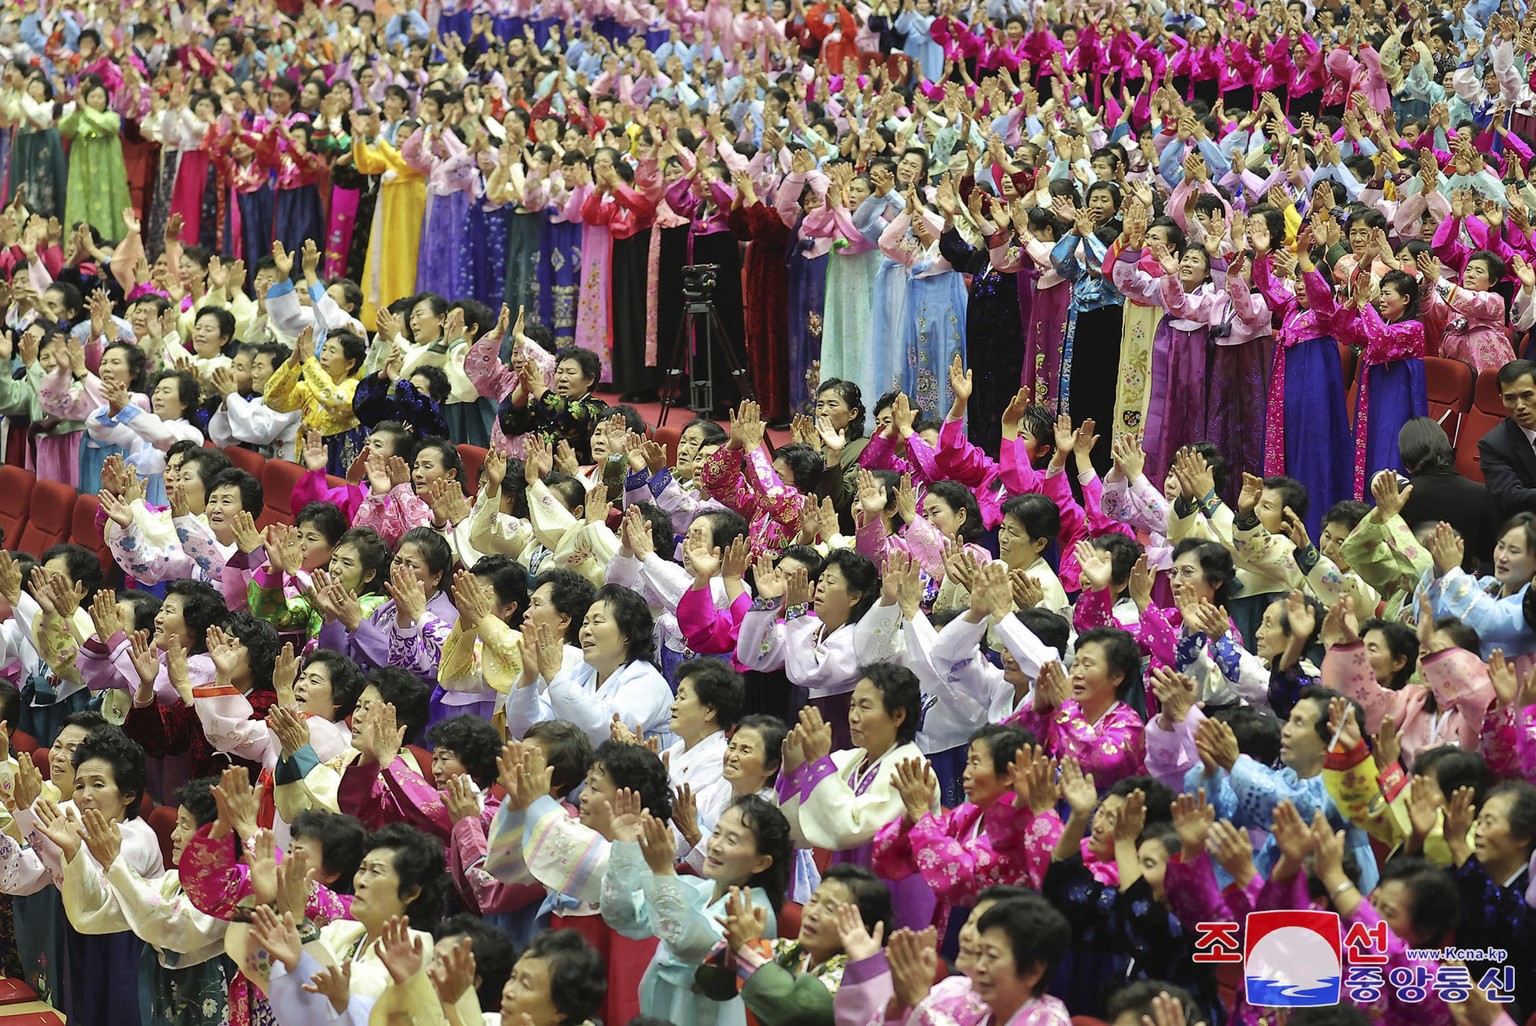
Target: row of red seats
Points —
{"points": [[1466, 406]]}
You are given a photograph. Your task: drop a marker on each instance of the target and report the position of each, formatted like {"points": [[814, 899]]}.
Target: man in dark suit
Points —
{"points": [[1508, 452]]}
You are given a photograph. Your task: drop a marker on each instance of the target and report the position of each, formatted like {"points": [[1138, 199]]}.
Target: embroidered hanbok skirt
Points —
{"points": [[256, 224], [1237, 397], [37, 159], [524, 235], [846, 314], [483, 264], [1397, 396], [1318, 443], [442, 243], [992, 327], [885, 349], [300, 217], [933, 329], [559, 280], [1176, 408], [807, 299], [1133, 389]]}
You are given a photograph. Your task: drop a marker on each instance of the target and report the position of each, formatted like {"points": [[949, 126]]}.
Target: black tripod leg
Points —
{"points": [[738, 370], [672, 383]]}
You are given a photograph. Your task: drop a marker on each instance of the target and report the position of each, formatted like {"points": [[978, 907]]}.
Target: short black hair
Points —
{"points": [[960, 500], [1136, 999], [186, 388], [197, 796], [419, 865], [804, 463], [346, 678], [1256, 728], [343, 839], [1402, 642], [408, 693], [509, 580], [453, 463], [578, 979], [1036, 514], [1121, 653], [567, 751], [438, 389], [146, 606], [1216, 565], [870, 893], [1323, 697], [82, 565], [1002, 741], [201, 608], [1037, 933], [1157, 796], [632, 616], [725, 526], [571, 594], [899, 689], [402, 438], [123, 754], [586, 359], [1453, 768], [493, 953], [772, 730], [717, 686], [1293, 494], [1434, 901], [261, 641], [434, 549], [1051, 628], [474, 740], [326, 517], [1123, 554], [639, 769], [251, 499], [859, 574], [372, 553], [224, 317]]}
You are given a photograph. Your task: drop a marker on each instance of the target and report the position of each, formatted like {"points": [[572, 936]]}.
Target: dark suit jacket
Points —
{"points": [[1462, 503], [1509, 468]]}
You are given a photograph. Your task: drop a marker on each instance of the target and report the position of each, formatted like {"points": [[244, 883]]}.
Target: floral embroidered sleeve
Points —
{"points": [[782, 501], [1111, 749], [217, 881], [722, 477], [418, 647]]}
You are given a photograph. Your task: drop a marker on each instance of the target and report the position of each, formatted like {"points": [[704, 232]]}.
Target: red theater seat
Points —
{"points": [[50, 518], [83, 531], [15, 502], [1449, 384], [474, 458], [277, 480], [252, 463]]}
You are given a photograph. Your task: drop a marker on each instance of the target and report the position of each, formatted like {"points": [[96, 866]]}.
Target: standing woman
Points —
{"points": [[449, 166], [839, 799], [1094, 314], [1392, 389], [98, 178], [389, 274], [627, 216], [1047, 296], [299, 215], [1176, 412], [800, 195], [881, 369], [766, 300], [850, 274], [931, 331], [37, 159], [1242, 349]]}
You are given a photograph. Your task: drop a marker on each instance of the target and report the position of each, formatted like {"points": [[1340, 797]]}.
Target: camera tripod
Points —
{"points": [[699, 335]]}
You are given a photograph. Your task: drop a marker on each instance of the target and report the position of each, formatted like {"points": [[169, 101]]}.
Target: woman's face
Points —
{"points": [[1476, 276], [96, 788], [222, 506], [870, 727], [970, 940], [570, 380], [1101, 204], [858, 191], [1271, 640], [1513, 561], [1384, 665], [730, 855], [1493, 842], [597, 799], [428, 467], [333, 360], [819, 935], [166, 402], [692, 720], [186, 826], [1391, 303], [426, 325], [312, 690], [748, 763], [445, 766], [528, 993], [981, 781], [834, 602], [169, 623], [1188, 572], [1153, 857], [114, 367], [346, 566], [1015, 545], [1093, 681], [1192, 267], [61, 766], [206, 339], [36, 89], [410, 560], [1393, 901], [376, 890], [1101, 837], [945, 518], [96, 99], [603, 645], [688, 451], [909, 169], [316, 546], [831, 406]]}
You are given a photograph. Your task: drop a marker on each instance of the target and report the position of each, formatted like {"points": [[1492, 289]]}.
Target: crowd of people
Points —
{"points": [[1096, 596]]}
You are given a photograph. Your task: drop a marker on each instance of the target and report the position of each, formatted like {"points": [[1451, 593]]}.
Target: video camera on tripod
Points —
{"points": [[699, 281]]}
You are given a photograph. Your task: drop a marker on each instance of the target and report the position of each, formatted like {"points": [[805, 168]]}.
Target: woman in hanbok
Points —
{"points": [[179, 131], [496, 187], [449, 166], [37, 158], [1392, 383], [299, 214], [389, 273], [1307, 425], [840, 800], [1135, 274], [143, 432], [1044, 294], [323, 386], [1491, 605], [1094, 315], [546, 189], [627, 216], [594, 298], [186, 983], [799, 196], [850, 275], [100, 972], [883, 364], [1242, 350], [245, 161], [931, 331], [1177, 410], [642, 896], [766, 296], [69, 398]]}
